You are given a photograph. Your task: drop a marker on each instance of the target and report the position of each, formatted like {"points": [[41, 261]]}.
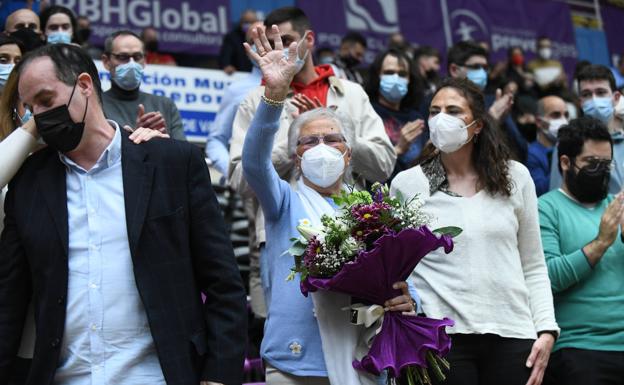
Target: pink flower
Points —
{"points": [[369, 213]]}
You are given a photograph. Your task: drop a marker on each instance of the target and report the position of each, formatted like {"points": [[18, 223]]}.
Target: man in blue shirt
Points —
{"points": [[114, 243], [551, 115]]}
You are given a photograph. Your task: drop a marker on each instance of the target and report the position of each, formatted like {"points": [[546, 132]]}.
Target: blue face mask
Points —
{"points": [[326, 60], [478, 77], [393, 87], [59, 37], [599, 108], [300, 59], [128, 76], [5, 71], [26, 117]]}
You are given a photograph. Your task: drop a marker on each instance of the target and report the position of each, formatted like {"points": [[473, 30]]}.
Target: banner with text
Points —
{"points": [[196, 92], [183, 26], [441, 23]]}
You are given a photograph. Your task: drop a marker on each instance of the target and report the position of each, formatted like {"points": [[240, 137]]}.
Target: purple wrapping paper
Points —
{"points": [[403, 340]]}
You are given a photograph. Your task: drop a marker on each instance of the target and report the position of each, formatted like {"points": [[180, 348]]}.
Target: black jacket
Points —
{"points": [[179, 247]]}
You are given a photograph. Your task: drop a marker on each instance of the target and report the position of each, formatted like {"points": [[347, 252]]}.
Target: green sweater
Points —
{"points": [[589, 302]]}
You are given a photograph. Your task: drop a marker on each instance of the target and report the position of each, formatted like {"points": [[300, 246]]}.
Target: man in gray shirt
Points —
{"points": [[124, 58]]}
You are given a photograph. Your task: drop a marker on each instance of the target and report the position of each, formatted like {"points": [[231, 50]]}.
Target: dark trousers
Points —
{"points": [[488, 359], [569, 366], [20, 371]]}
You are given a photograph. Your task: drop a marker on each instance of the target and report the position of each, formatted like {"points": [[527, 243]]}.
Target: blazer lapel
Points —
{"points": [[53, 187], [138, 175]]}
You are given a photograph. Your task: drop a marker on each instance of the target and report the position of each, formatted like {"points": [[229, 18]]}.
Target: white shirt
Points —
{"points": [[495, 280]]}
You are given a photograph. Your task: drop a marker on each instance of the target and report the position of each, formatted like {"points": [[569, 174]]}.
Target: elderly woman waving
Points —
{"points": [[320, 142]]}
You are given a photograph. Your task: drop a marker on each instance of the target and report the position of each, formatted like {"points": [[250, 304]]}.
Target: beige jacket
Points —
{"points": [[373, 155]]}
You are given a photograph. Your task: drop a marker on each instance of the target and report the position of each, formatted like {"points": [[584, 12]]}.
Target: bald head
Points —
{"points": [[551, 107], [22, 18]]}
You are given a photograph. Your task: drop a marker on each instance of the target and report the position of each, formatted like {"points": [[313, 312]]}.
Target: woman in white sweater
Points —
{"points": [[494, 284]]}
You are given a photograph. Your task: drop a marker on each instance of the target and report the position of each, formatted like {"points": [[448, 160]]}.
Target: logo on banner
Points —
{"points": [[360, 15], [467, 25]]}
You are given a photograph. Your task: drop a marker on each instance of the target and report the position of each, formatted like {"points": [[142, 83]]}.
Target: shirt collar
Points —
{"points": [[110, 156]]}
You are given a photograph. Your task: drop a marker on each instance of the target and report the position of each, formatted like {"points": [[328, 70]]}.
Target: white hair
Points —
{"points": [[344, 122]]}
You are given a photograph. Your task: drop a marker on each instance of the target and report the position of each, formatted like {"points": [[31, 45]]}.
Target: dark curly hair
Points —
{"points": [[490, 154], [572, 136]]}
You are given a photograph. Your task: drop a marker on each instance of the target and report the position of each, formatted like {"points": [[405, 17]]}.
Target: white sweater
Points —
{"points": [[14, 149], [495, 280]]}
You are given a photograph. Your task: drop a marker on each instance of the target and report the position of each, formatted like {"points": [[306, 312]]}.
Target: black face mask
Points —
{"points": [[29, 38], [528, 130], [83, 35], [152, 46], [57, 128], [350, 61], [431, 75], [589, 186]]}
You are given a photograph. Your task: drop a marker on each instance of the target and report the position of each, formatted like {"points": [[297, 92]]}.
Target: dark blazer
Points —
{"points": [[179, 247]]}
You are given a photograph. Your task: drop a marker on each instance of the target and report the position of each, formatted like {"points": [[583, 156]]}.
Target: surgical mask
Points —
{"points": [[5, 71], [322, 165], [326, 60], [57, 128], [478, 77], [553, 128], [393, 87], [128, 76], [545, 53], [26, 117], [589, 186], [350, 61], [448, 133], [599, 108], [300, 59], [59, 37]]}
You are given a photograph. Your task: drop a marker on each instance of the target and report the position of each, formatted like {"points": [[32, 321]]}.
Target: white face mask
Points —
{"points": [[448, 133], [322, 165], [300, 61], [545, 53], [554, 126]]}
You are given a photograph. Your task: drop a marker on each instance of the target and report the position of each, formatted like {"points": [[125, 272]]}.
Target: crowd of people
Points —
{"points": [[116, 265]]}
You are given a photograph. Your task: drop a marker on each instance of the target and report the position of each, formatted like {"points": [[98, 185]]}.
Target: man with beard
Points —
{"points": [[580, 226]]}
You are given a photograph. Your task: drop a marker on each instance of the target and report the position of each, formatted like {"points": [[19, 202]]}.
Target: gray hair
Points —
{"points": [[108, 43], [347, 128]]}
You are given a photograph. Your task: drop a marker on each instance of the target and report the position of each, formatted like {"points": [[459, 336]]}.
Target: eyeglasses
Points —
{"points": [[332, 140], [125, 57], [476, 66], [594, 164]]}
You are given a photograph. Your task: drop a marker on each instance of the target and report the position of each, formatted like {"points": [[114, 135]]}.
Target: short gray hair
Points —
{"points": [[347, 128]]}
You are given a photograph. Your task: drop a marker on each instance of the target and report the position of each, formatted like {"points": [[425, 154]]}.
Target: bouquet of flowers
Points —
{"points": [[373, 241]]}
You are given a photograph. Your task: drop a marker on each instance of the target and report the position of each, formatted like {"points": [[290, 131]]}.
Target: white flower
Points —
{"points": [[307, 231]]}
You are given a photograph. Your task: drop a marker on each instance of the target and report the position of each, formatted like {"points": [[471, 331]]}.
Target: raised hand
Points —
{"points": [[304, 103], [277, 71]]}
